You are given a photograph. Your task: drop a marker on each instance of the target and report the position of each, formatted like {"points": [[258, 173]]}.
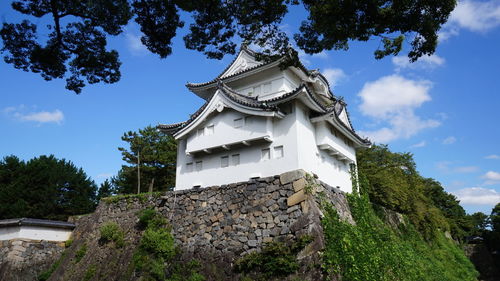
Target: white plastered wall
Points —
{"points": [[35, 233], [312, 159], [283, 133]]}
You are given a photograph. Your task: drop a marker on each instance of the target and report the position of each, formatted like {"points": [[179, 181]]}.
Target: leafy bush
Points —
{"points": [[159, 242], [151, 218], [275, 259], [111, 232], [157, 250]]}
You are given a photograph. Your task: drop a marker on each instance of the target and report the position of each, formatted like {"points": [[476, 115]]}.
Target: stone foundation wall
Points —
{"points": [[217, 225], [23, 259]]}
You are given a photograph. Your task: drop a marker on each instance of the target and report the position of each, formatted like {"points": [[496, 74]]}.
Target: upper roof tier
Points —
{"points": [[246, 65]]}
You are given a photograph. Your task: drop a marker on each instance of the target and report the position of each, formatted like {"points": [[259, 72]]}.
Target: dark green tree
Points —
{"points": [[77, 32], [158, 158], [44, 187], [480, 223], [391, 180], [106, 189]]}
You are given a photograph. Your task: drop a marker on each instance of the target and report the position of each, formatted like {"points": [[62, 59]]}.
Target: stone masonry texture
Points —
{"points": [[216, 225]]}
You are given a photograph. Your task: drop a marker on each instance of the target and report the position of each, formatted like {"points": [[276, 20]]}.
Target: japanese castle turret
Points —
{"points": [[260, 120]]}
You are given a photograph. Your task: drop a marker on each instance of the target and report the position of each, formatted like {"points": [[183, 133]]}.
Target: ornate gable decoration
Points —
{"points": [[243, 61]]}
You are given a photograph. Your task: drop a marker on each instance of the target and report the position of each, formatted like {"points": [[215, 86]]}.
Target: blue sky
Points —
{"points": [[444, 109]]}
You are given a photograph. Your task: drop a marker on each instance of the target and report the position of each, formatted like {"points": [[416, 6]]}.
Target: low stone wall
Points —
{"points": [[24, 259]]}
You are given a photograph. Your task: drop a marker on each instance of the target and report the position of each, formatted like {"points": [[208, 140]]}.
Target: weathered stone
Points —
{"points": [[292, 176], [252, 243], [296, 198], [299, 184]]}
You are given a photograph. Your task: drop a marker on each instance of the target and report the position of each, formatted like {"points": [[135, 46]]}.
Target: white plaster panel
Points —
{"points": [[10, 232], [35, 233]]}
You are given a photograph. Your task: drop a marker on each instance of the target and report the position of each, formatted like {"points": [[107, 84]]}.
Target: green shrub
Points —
{"points": [[159, 242], [111, 231], [157, 250], [80, 253], [275, 259], [151, 218], [68, 243]]}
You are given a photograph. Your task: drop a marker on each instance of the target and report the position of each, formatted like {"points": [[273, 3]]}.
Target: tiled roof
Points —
{"points": [[36, 222]]}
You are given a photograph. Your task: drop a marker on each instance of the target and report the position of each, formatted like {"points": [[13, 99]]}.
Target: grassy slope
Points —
{"points": [[372, 250]]}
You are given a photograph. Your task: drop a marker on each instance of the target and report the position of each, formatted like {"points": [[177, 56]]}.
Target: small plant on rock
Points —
{"points": [[111, 232]]}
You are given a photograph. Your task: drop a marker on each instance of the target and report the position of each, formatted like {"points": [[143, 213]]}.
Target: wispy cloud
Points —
{"points": [[420, 144], [448, 167], [475, 16], [449, 140], [392, 100], [491, 177], [492, 156], [22, 113], [424, 62], [478, 196], [334, 75], [306, 58], [104, 175], [134, 43]]}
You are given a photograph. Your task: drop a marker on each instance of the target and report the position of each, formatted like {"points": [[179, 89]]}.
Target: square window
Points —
{"points": [[238, 123], [199, 165], [266, 154], [235, 159], [189, 167], [210, 130], [248, 120], [278, 152], [224, 161], [201, 132]]}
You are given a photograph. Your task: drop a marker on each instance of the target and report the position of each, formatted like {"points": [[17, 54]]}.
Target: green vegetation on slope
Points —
{"points": [[372, 250], [391, 180], [154, 258]]}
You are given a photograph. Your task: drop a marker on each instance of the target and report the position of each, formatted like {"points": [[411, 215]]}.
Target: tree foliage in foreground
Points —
{"points": [[44, 187], [392, 181], [77, 33], [158, 158]]}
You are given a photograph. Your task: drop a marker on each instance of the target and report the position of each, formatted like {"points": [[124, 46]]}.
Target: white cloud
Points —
{"points": [[104, 175], [491, 177], [492, 156], [306, 58], [475, 16], [134, 44], [20, 113], [334, 75], [449, 140], [424, 62], [466, 169], [392, 100], [445, 166], [420, 144], [478, 196]]}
